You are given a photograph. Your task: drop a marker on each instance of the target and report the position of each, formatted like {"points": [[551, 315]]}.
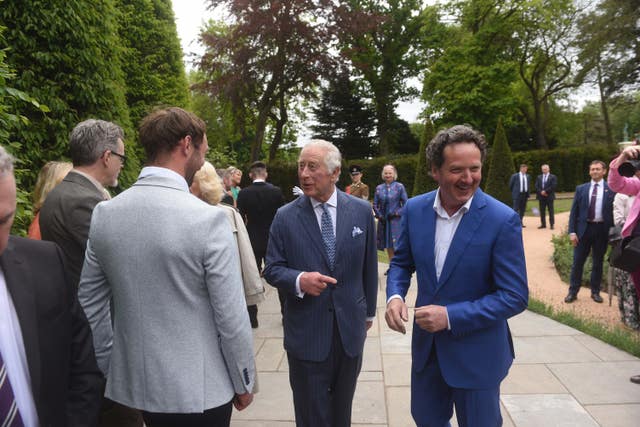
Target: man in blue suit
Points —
{"points": [[520, 186], [322, 252], [589, 221], [466, 248]]}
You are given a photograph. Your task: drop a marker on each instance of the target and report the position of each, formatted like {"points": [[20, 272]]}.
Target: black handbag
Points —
{"points": [[626, 254]]}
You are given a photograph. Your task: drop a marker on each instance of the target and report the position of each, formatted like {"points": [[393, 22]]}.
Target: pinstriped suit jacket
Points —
{"points": [[295, 245]]}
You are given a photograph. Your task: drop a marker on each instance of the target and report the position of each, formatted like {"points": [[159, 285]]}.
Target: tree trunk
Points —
{"points": [[539, 120], [604, 107], [382, 116], [280, 122]]}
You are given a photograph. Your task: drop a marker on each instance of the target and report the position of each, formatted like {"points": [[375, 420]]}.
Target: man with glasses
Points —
{"points": [[96, 148]]}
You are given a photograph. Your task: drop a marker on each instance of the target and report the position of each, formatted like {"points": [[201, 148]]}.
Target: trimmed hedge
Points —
{"points": [[570, 165]]}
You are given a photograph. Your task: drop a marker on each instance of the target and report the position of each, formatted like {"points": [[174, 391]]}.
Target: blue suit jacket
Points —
{"points": [[295, 245], [482, 284], [580, 208]]}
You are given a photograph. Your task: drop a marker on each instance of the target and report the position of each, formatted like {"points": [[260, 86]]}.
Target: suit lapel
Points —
{"points": [[429, 240], [463, 236], [342, 223], [310, 225], [20, 286]]}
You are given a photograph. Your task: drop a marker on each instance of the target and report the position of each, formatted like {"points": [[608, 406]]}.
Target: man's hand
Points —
{"points": [[396, 315], [431, 318], [543, 193], [574, 239], [315, 283], [369, 324], [241, 401]]}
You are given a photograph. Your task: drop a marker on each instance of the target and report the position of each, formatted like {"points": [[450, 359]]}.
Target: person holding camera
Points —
{"points": [[623, 180]]}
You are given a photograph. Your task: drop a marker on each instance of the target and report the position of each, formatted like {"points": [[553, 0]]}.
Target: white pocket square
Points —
{"points": [[356, 231]]}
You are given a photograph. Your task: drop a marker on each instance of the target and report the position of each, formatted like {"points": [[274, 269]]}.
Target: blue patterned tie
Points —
{"points": [[328, 237], [9, 415]]}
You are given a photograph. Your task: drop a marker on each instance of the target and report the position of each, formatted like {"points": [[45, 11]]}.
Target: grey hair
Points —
{"points": [[333, 158], [395, 171], [91, 138], [6, 162]]}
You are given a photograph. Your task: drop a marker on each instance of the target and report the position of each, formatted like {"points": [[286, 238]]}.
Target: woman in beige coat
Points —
{"points": [[207, 186]]}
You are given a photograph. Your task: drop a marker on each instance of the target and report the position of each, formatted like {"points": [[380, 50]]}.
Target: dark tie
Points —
{"points": [[328, 237], [9, 415], [592, 203], [544, 181]]}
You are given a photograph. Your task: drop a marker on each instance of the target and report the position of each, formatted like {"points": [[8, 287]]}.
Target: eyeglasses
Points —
{"points": [[122, 157]]}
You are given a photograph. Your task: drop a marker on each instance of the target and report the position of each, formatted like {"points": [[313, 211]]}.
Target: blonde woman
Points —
{"points": [[207, 186], [51, 174]]}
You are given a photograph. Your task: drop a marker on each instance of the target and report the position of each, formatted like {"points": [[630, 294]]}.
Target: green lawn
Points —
{"points": [[559, 206]]}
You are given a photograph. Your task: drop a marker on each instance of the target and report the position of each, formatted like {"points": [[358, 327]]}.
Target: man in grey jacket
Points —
{"points": [[179, 346]]}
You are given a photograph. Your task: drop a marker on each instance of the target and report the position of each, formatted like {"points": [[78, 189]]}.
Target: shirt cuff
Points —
{"points": [[395, 296], [299, 292], [371, 319], [446, 311]]}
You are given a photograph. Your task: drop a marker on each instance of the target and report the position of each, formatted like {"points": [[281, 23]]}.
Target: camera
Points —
{"points": [[629, 168]]}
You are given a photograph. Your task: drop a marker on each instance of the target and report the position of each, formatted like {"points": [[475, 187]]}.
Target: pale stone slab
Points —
{"points": [[600, 383], [530, 324], [254, 423], [371, 360], [531, 379], [615, 415], [553, 349], [270, 355], [270, 326], [395, 342], [399, 406], [284, 365], [536, 410], [397, 369], [370, 376], [374, 331], [271, 304], [273, 403], [604, 351], [369, 404]]}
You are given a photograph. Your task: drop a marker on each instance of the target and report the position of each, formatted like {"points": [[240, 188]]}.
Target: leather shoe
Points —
{"points": [[596, 297], [542, 226], [635, 379], [570, 298], [551, 227]]}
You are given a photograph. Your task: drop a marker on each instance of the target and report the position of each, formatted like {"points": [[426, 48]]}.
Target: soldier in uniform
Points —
{"points": [[357, 188]]}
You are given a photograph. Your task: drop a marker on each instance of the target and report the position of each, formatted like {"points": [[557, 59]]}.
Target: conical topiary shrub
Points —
{"points": [[501, 167]]}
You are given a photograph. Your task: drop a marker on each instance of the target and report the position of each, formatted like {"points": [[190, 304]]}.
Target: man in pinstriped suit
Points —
{"points": [[322, 252]]}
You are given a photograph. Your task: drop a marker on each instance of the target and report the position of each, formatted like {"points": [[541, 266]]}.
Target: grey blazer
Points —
{"points": [[181, 340]]}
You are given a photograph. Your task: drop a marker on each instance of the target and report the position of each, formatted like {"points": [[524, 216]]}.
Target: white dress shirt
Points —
{"points": [[599, 199], [15, 358], [166, 173]]}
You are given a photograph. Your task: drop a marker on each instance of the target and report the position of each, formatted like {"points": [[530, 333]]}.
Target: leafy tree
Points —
{"points": [[270, 54], [381, 40], [423, 181], [66, 54], [470, 80], [401, 139], [545, 34], [152, 57], [501, 167], [343, 118]]}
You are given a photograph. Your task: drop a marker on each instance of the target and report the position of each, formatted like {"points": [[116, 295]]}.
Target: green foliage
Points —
{"points": [[343, 118], [400, 138], [151, 57], [501, 168], [423, 182], [67, 55], [563, 259], [618, 337]]}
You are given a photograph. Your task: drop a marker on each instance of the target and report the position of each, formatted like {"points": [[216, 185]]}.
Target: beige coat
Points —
{"points": [[253, 285]]}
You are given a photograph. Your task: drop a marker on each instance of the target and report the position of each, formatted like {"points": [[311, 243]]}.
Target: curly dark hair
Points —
{"points": [[454, 135]]}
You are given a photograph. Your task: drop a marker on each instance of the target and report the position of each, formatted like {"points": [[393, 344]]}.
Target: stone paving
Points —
{"points": [[560, 377]]}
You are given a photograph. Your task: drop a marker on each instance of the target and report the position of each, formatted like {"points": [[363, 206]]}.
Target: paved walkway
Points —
{"points": [[561, 377]]}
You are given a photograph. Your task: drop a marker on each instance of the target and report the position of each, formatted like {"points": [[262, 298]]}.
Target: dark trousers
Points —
{"points": [[323, 391], [282, 294], [432, 400], [520, 204], [214, 417], [114, 414], [593, 240], [544, 204]]}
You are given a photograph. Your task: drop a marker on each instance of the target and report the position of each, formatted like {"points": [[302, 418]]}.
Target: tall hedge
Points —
{"points": [[500, 167], [423, 181]]}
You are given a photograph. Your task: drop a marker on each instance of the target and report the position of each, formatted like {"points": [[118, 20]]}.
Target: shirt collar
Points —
{"points": [[258, 180], [94, 181], [165, 173], [599, 182], [441, 212], [333, 200]]}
